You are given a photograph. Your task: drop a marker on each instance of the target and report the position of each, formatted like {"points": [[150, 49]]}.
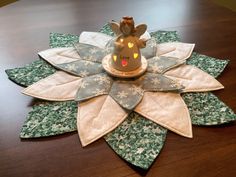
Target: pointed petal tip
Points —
{"points": [[94, 118], [84, 144], [189, 135]]}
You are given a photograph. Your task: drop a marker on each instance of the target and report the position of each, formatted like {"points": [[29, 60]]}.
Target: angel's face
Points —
{"points": [[125, 29]]}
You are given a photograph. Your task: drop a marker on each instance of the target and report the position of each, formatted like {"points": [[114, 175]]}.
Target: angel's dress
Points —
{"points": [[126, 56]]}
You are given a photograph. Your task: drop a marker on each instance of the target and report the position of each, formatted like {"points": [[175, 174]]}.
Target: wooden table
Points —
{"points": [[24, 30]]}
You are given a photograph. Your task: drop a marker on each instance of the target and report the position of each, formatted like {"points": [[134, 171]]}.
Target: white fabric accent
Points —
{"points": [[167, 110], [57, 87], [182, 50], [193, 79], [94, 38], [146, 36], [60, 55], [97, 117]]}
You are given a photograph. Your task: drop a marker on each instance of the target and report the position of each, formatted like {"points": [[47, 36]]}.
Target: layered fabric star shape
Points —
{"points": [[104, 101], [133, 115]]}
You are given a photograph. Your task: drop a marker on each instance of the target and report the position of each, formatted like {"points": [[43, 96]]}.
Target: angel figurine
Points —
{"points": [[126, 55]]}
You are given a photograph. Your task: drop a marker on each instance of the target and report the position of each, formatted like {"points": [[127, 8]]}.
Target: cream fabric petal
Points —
{"points": [[97, 117], [193, 79], [60, 55], [58, 87], [167, 110], [163, 49], [182, 50], [94, 38], [100, 40]]}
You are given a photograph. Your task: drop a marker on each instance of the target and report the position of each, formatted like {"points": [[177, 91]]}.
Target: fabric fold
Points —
{"points": [[57, 87], [59, 55], [182, 50], [162, 64], [167, 110], [95, 118], [193, 79]]}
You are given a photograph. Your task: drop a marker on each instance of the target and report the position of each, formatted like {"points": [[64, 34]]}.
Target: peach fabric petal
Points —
{"points": [[58, 87], [193, 79], [60, 55], [182, 50], [167, 110], [97, 117]]}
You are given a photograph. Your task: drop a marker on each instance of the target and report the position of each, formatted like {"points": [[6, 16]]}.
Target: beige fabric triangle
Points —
{"points": [[167, 110], [97, 117], [182, 50], [60, 55], [193, 79], [57, 87]]}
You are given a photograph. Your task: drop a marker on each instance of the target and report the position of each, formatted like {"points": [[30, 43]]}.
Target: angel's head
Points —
{"points": [[127, 25]]}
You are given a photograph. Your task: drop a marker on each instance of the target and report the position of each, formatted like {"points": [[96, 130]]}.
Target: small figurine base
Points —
{"points": [[107, 65]]}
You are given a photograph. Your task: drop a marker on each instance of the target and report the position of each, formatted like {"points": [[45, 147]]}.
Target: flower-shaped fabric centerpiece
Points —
{"points": [[105, 101]]}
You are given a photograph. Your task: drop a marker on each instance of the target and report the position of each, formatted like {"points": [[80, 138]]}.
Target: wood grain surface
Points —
{"points": [[24, 30]]}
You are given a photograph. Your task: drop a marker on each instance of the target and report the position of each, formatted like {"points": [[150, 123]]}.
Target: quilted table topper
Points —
{"points": [[133, 115]]}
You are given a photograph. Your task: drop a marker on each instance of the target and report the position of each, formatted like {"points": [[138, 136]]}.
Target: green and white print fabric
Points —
{"points": [[50, 118], [206, 109], [31, 73], [137, 140], [210, 65], [148, 136]]}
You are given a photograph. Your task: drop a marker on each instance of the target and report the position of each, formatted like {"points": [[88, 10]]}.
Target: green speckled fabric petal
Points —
{"points": [[210, 65], [165, 36], [137, 140], [30, 73], [207, 109], [62, 40], [50, 118], [106, 29]]}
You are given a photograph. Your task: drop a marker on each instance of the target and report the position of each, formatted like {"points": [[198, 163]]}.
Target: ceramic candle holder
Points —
{"points": [[126, 56]]}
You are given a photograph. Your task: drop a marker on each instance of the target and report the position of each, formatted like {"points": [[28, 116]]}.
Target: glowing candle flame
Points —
{"points": [[130, 44], [124, 62], [114, 57], [135, 55]]}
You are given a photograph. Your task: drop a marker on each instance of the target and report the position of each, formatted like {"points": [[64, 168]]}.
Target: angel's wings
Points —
{"points": [[140, 30], [115, 28]]}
